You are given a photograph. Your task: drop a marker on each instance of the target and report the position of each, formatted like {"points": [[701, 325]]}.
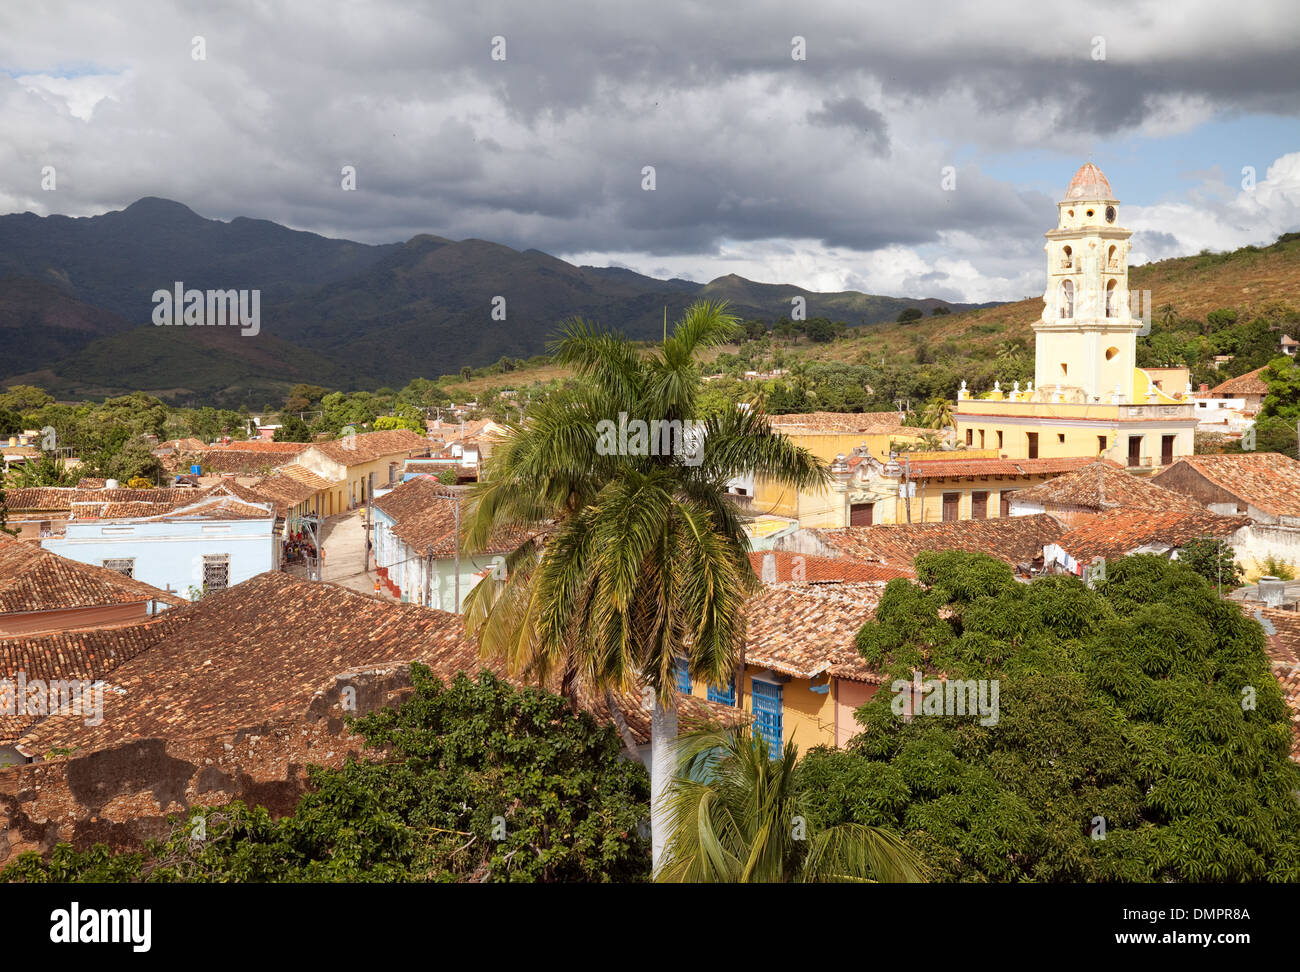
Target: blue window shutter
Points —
{"points": [[683, 678], [726, 696], [767, 714]]}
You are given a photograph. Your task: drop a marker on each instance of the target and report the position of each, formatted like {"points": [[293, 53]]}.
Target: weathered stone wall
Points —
{"points": [[122, 796]]}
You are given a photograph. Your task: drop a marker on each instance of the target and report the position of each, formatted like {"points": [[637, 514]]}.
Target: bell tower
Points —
{"points": [[1086, 340]]}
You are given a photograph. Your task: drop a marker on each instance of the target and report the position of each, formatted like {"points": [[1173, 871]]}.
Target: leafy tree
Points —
{"points": [[48, 470], [1283, 399], [475, 781], [292, 429], [939, 311], [11, 422], [122, 459], [25, 398], [737, 816], [646, 563], [938, 414], [1213, 560], [1139, 734], [1275, 434], [909, 314], [397, 422]]}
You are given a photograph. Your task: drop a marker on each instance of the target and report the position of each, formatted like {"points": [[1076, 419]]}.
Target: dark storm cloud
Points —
{"points": [[546, 148]]}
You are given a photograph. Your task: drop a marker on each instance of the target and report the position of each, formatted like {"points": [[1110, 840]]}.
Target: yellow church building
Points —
{"points": [[1088, 397]]}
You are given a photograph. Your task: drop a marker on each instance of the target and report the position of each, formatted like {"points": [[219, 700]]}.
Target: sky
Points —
{"points": [[915, 149]]}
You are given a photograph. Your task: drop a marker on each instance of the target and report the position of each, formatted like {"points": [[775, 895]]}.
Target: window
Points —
{"points": [[123, 565], [1135, 450], [767, 714], [979, 505], [1110, 297], [1031, 444], [726, 696], [1060, 436], [951, 506], [1111, 352], [999, 438], [970, 436], [1065, 370], [1166, 450], [1101, 443], [1067, 298], [862, 514], [683, 677], [981, 438], [216, 571]]}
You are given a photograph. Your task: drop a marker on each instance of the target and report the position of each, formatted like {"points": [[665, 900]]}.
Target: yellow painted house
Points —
{"points": [[803, 677], [347, 465], [827, 435], [1088, 397]]}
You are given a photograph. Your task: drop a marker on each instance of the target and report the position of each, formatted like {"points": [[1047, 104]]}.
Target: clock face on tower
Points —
{"points": [[1110, 214]]}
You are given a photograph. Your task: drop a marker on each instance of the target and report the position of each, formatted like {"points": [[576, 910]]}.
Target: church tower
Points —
{"points": [[1086, 340]]}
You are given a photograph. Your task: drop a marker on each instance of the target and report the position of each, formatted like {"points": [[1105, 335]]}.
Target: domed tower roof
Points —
{"points": [[1089, 183]]}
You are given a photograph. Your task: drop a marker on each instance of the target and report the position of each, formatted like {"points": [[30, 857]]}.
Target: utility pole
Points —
{"points": [[456, 500], [370, 496], [907, 486], [428, 572]]}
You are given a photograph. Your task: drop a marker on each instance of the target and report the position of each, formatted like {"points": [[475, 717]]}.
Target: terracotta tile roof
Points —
{"points": [[1102, 486], [813, 569], [91, 482], [108, 511], [65, 656], [423, 517], [983, 466], [231, 460], [34, 579], [218, 508], [1282, 629], [1248, 384], [837, 421], [1268, 481], [1014, 539], [808, 630], [267, 446], [55, 499], [1117, 533], [189, 444], [263, 649], [368, 446], [288, 486]]}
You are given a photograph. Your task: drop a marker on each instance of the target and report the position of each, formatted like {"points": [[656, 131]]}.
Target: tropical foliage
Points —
{"points": [[738, 816], [1141, 735], [479, 782], [642, 563]]}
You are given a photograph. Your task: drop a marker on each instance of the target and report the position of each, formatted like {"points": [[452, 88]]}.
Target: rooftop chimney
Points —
{"points": [[1271, 591]]}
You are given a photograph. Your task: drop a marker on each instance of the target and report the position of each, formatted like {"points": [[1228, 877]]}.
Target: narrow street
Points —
{"points": [[343, 538]]}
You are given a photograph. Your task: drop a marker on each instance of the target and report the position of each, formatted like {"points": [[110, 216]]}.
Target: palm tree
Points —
{"points": [[737, 816], [641, 562], [937, 414]]}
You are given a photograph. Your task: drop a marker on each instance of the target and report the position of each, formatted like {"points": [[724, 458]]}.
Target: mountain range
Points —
{"points": [[76, 305]]}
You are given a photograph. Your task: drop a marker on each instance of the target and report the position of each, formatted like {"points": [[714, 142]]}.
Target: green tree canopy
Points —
{"points": [[474, 781], [1141, 735]]}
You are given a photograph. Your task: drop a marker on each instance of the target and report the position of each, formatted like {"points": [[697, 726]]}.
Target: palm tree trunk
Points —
{"points": [[663, 735]]}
